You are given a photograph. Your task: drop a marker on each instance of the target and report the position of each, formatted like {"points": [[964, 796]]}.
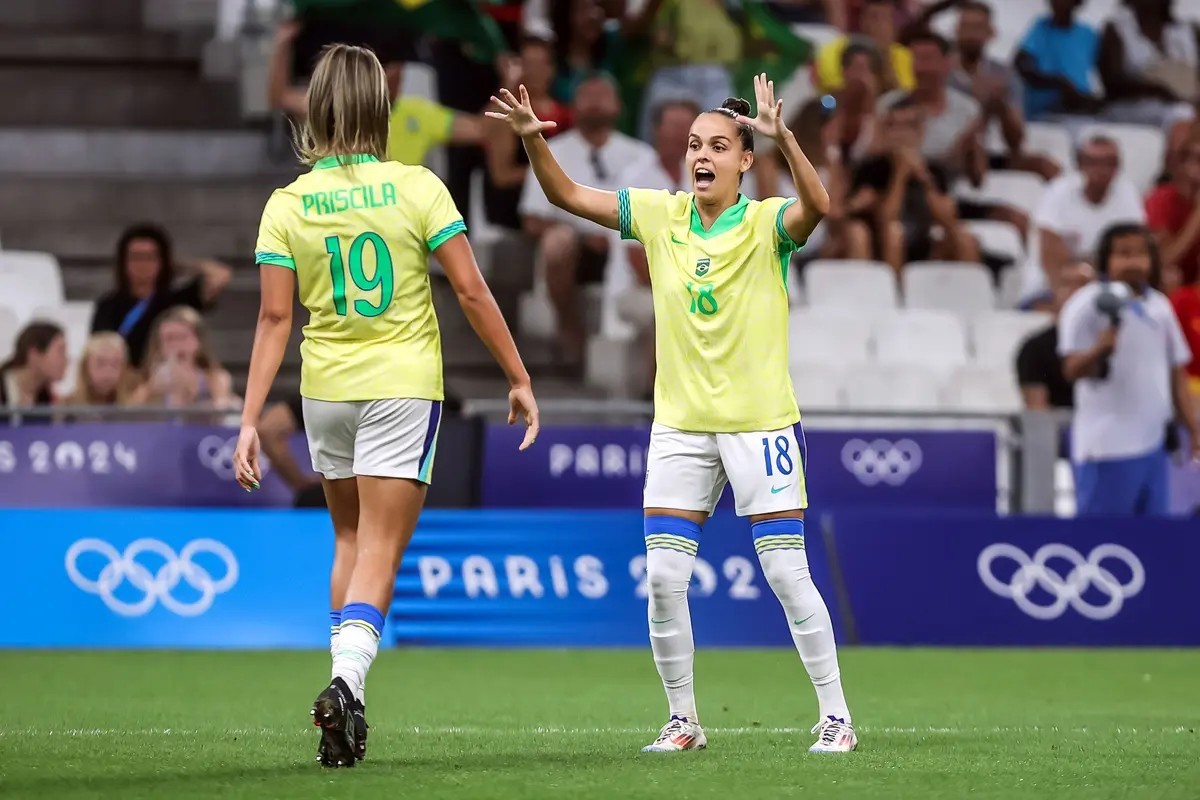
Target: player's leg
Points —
{"points": [[767, 473], [341, 498], [683, 481]]}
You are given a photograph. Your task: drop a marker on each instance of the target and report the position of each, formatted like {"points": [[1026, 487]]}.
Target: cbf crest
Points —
{"points": [[702, 265]]}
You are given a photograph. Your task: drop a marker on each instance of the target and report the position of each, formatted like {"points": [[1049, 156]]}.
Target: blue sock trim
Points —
{"points": [[672, 525], [335, 617], [363, 612], [777, 527]]}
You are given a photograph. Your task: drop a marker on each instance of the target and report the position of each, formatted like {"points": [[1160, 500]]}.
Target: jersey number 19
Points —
{"points": [[382, 279]]}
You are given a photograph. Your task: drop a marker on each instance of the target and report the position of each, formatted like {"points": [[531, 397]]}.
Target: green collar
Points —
{"points": [[329, 162], [730, 218]]}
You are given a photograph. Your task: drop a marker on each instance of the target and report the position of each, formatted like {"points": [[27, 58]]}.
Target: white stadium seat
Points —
{"points": [[1020, 189], [953, 286], [818, 386], [1052, 140], [859, 285], [997, 336], [816, 33], [1142, 149], [29, 280], [1012, 282], [987, 390], [934, 340], [75, 318], [10, 325], [824, 336], [998, 238], [883, 387]]}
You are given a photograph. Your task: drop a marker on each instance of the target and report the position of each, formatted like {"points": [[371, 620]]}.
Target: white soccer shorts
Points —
{"points": [[394, 438], [688, 471]]}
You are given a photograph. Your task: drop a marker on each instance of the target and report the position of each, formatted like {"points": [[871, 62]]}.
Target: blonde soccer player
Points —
{"points": [[724, 406], [355, 234]]}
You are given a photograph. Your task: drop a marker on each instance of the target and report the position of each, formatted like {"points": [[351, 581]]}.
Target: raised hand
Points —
{"points": [[519, 113], [769, 121]]}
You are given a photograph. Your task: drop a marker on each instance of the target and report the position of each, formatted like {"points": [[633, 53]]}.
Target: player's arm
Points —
{"points": [[270, 337], [582, 201]]}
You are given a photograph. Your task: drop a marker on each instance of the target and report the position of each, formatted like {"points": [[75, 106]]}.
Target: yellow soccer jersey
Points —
{"points": [[720, 310], [359, 237], [417, 126]]}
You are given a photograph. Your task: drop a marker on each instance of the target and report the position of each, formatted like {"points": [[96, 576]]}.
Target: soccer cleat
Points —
{"points": [[678, 734], [333, 713], [834, 735], [359, 712]]}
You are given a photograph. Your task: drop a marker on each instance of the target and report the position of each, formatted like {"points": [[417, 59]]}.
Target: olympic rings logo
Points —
{"points": [[155, 586], [1067, 590], [881, 461], [216, 454]]}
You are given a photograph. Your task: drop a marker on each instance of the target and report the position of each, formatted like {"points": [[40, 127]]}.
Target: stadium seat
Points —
{"points": [[1012, 282], [953, 286], [882, 387], [818, 386], [816, 33], [1052, 140], [29, 280], [10, 325], [997, 336], [934, 340], [998, 238], [75, 317], [1142, 150], [982, 389], [420, 80], [822, 336], [857, 285], [1019, 189]]}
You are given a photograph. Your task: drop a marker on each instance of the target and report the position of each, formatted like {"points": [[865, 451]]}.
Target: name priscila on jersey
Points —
{"points": [[379, 196]]}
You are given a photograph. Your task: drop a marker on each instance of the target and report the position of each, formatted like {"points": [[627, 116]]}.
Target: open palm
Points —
{"points": [[769, 121], [518, 113]]}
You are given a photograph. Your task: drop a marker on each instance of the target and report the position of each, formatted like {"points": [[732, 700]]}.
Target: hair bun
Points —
{"points": [[738, 106]]}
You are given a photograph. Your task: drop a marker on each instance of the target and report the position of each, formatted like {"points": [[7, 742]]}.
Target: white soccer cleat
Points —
{"points": [[677, 735], [834, 735]]}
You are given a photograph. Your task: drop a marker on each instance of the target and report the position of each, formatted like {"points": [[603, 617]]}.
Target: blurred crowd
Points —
{"points": [[901, 121]]}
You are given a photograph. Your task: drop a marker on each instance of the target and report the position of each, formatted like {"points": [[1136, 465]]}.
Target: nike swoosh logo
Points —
{"points": [[806, 619], [662, 621], [676, 241], [778, 489]]}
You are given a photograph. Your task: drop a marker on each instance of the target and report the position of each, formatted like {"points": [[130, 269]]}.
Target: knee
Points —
{"points": [[782, 574], [664, 583]]}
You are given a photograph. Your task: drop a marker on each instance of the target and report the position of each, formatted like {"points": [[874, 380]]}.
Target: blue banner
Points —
{"points": [[966, 579], [605, 466]]}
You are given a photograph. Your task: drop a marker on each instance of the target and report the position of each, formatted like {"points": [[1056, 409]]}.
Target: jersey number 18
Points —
{"points": [[382, 279]]}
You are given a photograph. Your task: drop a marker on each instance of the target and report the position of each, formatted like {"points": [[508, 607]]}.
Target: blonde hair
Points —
{"points": [[190, 317], [85, 394], [348, 107]]}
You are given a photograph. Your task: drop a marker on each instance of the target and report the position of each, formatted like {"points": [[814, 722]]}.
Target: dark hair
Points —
{"points": [[533, 40], [166, 271], [879, 2], [858, 47], [1096, 139], [661, 109], [734, 107], [975, 5], [928, 36], [562, 14], [1121, 230], [34, 336]]}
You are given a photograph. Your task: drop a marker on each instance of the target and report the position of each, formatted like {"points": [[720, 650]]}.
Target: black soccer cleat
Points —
{"points": [[333, 713], [359, 712]]}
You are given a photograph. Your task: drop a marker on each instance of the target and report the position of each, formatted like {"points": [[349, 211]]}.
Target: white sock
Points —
{"points": [[668, 573], [357, 645], [787, 572]]}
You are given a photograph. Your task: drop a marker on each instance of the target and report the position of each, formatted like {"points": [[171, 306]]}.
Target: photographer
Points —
{"points": [[1123, 349]]}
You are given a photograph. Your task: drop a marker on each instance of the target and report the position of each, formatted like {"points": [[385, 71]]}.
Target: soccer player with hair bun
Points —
{"points": [[725, 411], [354, 235]]}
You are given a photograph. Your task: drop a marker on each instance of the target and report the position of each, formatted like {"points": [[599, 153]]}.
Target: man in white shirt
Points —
{"points": [[1127, 362], [1078, 207], [575, 250]]}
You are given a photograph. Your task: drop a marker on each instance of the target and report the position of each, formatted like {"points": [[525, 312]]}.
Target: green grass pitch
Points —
{"points": [[568, 724]]}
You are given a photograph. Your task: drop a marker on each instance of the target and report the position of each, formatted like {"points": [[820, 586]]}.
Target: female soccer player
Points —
{"points": [[724, 406], [355, 235]]}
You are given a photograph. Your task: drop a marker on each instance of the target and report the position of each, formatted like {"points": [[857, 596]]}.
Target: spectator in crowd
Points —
{"points": [[1127, 364], [694, 44], [897, 197], [105, 378], [576, 251], [584, 44], [1173, 213], [1185, 299], [418, 124], [1039, 366], [145, 286], [829, 12], [876, 21], [995, 86], [1055, 60], [280, 421], [1148, 63], [39, 361], [181, 370], [635, 305], [507, 163], [1078, 207]]}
